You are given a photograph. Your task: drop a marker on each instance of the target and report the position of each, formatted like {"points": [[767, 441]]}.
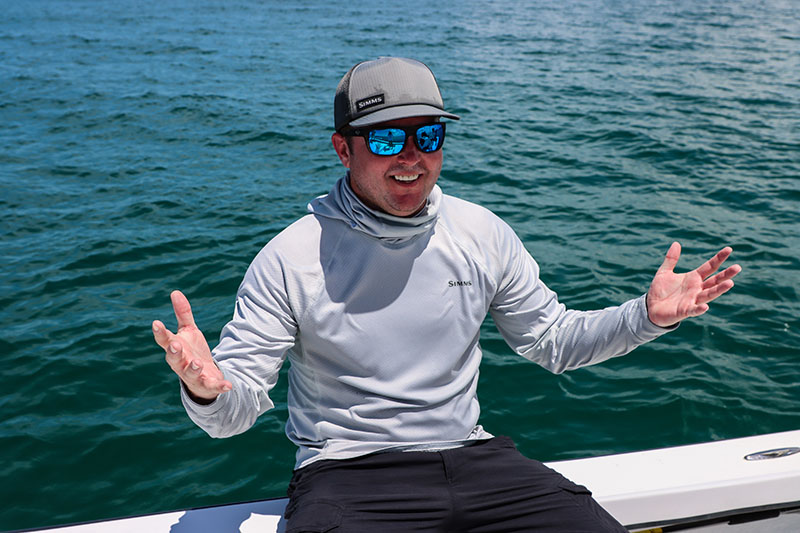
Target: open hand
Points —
{"points": [[188, 354], [673, 297]]}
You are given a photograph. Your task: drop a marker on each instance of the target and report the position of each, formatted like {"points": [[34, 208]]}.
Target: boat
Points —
{"points": [[744, 485]]}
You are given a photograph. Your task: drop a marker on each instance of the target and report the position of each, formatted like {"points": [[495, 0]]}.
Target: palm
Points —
{"points": [[194, 342], [674, 297]]}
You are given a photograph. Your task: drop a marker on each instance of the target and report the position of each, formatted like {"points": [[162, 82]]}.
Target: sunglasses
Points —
{"points": [[391, 141]]}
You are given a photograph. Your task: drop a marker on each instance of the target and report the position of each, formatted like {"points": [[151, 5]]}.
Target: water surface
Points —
{"points": [[150, 146]]}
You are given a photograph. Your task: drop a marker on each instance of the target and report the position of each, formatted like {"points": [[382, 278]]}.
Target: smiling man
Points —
{"points": [[377, 298], [397, 185]]}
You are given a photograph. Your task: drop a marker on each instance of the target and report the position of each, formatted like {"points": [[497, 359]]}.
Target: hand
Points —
{"points": [[188, 354], [673, 297]]}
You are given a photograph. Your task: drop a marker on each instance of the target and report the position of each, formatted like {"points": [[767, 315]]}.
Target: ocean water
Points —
{"points": [[148, 146]]}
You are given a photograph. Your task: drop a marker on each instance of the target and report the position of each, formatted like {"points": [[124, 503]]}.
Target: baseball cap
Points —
{"points": [[387, 88]]}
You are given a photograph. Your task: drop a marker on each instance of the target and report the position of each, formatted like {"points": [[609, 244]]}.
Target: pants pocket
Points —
{"points": [[574, 488], [316, 516], [600, 519]]}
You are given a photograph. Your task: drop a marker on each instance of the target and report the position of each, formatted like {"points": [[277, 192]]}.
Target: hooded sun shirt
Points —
{"points": [[380, 316], [343, 204]]}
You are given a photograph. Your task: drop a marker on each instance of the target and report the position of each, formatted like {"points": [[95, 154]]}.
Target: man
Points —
{"points": [[377, 297]]}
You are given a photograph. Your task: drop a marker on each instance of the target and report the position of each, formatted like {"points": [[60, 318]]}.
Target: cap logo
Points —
{"points": [[369, 102]]}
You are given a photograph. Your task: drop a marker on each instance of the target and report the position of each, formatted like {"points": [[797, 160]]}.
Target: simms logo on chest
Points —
{"points": [[459, 283]]}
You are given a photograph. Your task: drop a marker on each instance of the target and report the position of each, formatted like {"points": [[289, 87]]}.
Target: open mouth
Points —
{"points": [[406, 178]]}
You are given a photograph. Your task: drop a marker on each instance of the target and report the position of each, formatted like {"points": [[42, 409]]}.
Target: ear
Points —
{"points": [[342, 148]]}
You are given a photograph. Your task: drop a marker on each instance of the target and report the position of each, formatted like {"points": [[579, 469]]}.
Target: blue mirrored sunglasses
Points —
{"points": [[391, 141]]}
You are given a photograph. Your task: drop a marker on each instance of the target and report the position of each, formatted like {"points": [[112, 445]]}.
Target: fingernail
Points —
{"points": [[173, 348], [195, 366]]}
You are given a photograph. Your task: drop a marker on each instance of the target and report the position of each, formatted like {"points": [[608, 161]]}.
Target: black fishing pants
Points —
{"points": [[486, 487]]}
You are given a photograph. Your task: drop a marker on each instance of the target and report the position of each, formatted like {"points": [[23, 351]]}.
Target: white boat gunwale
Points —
{"points": [[732, 517]]}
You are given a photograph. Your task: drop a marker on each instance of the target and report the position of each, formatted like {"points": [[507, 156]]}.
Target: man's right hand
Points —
{"points": [[188, 354]]}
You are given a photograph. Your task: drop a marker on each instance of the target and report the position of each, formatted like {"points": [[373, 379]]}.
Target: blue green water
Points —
{"points": [[148, 146]]}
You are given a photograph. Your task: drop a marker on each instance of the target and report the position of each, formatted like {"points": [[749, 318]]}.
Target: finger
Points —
{"points": [[728, 273], [698, 310], [175, 356], [671, 259], [210, 380], [216, 385], [161, 334], [193, 370], [183, 311], [715, 292], [711, 266]]}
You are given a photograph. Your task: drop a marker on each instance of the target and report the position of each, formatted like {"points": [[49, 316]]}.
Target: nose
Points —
{"points": [[410, 152]]}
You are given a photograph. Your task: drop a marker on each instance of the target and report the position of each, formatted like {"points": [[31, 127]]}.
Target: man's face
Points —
{"points": [[374, 178]]}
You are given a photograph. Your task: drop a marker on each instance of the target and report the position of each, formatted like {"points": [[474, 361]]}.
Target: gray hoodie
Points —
{"points": [[380, 317]]}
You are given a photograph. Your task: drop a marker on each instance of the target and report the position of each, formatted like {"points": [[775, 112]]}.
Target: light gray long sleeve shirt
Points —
{"points": [[380, 316]]}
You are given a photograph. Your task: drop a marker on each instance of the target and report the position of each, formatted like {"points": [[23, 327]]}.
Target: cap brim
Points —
{"points": [[398, 112]]}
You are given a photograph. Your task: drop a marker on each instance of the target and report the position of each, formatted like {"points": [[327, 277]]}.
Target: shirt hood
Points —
{"points": [[343, 204]]}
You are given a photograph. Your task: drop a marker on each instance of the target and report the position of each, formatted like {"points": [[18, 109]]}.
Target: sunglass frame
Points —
{"points": [[408, 131]]}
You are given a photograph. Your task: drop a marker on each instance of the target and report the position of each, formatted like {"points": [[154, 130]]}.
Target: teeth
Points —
{"points": [[410, 177]]}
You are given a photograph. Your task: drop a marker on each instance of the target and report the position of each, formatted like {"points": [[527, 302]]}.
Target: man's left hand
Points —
{"points": [[673, 297]]}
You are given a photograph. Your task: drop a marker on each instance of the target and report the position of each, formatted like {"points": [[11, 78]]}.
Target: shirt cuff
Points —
{"points": [[192, 406], [648, 328]]}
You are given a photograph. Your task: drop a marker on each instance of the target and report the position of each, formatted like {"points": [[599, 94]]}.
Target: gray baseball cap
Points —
{"points": [[387, 88]]}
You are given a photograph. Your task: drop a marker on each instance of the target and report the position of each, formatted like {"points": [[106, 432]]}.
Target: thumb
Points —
{"points": [[183, 311], [671, 259]]}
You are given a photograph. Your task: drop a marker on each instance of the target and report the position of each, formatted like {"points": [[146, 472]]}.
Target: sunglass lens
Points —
{"points": [[430, 137], [389, 141]]}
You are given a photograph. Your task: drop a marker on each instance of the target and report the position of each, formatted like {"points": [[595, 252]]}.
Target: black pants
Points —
{"points": [[486, 487]]}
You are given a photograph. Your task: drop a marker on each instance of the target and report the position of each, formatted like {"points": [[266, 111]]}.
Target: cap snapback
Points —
{"points": [[387, 88]]}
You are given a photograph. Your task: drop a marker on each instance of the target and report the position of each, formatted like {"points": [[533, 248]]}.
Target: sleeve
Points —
{"points": [[251, 351], [540, 328]]}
